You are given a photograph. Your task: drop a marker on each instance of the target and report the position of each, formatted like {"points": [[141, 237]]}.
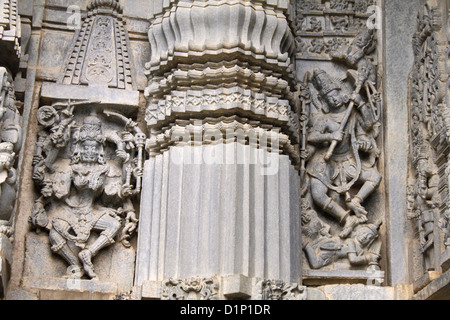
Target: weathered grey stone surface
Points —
{"points": [[158, 118], [208, 219]]}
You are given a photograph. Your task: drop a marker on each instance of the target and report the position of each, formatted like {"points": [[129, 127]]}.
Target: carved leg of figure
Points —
{"points": [[109, 227], [371, 179], [59, 246], [319, 194]]}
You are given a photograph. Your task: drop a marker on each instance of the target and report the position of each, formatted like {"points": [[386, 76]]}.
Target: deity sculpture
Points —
{"points": [[361, 248], [91, 192], [343, 139]]}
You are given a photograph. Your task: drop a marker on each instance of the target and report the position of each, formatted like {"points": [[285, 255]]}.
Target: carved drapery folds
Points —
{"points": [[341, 123], [428, 195]]}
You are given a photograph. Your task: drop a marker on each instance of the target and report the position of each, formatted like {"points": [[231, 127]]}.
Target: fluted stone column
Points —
{"points": [[220, 199]]}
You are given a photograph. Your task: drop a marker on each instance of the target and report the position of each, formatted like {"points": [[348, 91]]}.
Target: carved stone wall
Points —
{"points": [[224, 149], [78, 215], [427, 189], [11, 133]]}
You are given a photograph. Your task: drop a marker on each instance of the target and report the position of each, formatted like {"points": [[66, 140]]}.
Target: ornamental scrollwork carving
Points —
{"points": [[280, 290], [428, 116]]}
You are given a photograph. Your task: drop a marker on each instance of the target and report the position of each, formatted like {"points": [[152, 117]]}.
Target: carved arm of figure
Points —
{"points": [[322, 133], [38, 218], [127, 189], [113, 136], [365, 258]]}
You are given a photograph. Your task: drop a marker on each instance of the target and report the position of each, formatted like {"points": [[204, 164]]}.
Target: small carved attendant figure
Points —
{"points": [[88, 196], [426, 202], [348, 165], [10, 119], [362, 248]]}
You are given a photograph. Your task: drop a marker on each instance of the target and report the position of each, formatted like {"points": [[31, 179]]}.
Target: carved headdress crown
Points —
{"points": [[324, 83], [92, 130], [374, 227]]}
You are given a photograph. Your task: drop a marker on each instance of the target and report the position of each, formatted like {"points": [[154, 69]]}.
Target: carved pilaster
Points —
{"points": [[10, 34], [222, 172]]}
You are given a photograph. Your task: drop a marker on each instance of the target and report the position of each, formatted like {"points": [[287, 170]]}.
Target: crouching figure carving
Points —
{"points": [[88, 175]]}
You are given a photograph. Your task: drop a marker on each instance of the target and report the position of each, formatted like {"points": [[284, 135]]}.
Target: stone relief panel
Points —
{"points": [[11, 137], [87, 168], [279, 290], [341, 109], [10, 145], [428, 193], [323, 26], [88, 162]]}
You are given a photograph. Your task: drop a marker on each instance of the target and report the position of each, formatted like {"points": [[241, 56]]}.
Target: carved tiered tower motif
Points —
{"points": [[428, 187]]}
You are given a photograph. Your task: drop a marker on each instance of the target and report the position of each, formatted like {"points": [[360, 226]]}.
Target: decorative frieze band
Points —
{"points": [[223, 99]]}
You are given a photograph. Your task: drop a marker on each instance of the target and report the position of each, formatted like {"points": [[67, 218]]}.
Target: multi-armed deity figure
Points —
{"points": [[84, 188]]}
